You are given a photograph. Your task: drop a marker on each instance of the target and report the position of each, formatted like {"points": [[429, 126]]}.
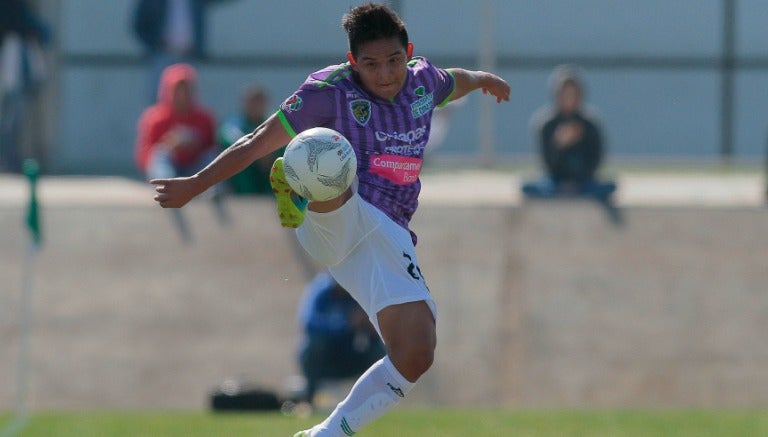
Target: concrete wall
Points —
{"points": [[540, 305], [652, 69]]}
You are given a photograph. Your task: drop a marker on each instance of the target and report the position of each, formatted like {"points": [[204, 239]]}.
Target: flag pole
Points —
{"points": [[31, 170]]}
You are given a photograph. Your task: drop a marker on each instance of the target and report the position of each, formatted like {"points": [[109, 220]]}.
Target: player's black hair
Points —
{"points": [[372, 21]]}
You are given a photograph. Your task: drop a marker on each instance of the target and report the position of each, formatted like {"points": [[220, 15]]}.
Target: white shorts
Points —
{"points": [[368, 254]]}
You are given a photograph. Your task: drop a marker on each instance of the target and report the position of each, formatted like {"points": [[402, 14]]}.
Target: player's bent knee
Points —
{"points": [[413, 362], [422, 361], [409, 333]]}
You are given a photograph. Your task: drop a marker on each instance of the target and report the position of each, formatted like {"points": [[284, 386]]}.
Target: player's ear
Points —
{"points": [[351, 58], [409, 50]]}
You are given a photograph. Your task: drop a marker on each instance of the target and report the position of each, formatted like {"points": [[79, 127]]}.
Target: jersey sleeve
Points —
{"points": [[445, 85], [310, 106]]}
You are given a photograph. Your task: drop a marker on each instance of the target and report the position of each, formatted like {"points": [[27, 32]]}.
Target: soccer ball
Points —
{"points": [[319, 164]]}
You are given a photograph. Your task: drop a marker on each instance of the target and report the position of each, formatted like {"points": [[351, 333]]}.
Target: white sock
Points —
{"points": [[377, 391]]}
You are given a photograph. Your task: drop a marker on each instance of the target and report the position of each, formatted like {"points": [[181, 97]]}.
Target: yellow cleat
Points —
{"points": [[290, 206]]}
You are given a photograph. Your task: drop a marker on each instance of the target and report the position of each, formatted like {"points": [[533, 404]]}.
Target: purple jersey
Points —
{"points": [[389, 137]]}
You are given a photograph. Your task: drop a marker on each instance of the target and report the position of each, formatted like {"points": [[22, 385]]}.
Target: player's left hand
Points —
{"points": [[496, 86]]}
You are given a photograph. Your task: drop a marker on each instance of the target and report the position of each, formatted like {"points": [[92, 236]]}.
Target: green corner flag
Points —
{"points": [[31, 170]]}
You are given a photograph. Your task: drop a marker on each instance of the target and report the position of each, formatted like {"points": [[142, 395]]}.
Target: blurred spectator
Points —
{"points": [[570, 141], [176, 134], [339, 340], [22, 70], [253, 112], [766, 173], [171, 31]]}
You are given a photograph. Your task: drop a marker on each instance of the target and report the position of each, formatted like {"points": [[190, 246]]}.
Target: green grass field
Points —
{"points": [[409, 422]]}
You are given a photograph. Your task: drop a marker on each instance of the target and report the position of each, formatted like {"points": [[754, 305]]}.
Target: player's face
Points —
{"points": [[382, 66]]}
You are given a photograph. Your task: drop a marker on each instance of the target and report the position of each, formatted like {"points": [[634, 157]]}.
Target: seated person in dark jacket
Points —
{"points": [[570, 142], [339, 340]]}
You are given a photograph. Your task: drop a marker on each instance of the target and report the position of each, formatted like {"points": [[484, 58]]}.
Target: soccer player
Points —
{"points": [[382, 100]]}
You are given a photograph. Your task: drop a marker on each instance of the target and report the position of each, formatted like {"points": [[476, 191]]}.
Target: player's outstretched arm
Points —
{"points": [[468, 81], [176, 192]]}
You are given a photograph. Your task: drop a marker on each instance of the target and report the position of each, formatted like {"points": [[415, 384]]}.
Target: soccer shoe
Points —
{"points": [[290, 206]]}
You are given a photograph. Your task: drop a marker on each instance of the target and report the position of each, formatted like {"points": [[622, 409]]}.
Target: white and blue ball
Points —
{"points": [[320, 164]]}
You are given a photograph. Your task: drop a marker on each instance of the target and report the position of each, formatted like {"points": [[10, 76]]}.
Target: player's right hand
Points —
{"points": [[496, 86], [175, 192]]}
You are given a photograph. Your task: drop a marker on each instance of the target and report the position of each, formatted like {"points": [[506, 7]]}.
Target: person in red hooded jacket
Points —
{"points": [[176, 135]]}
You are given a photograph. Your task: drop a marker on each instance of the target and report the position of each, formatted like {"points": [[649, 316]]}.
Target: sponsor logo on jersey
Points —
{"points": [[423, 105], [361, 111], [405, 137], [406, 150], [292, 104], [400, 170], [420, 91]]}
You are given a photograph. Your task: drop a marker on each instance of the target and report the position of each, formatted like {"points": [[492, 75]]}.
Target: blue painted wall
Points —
{"points": [[648, 111]]}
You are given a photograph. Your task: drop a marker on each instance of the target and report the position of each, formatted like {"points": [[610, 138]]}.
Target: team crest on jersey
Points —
{"points": [[361, 111], [293, 104]]}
